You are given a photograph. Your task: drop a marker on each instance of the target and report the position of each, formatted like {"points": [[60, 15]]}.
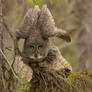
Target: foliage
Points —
{"points": [[30, 1], [39, 2]]}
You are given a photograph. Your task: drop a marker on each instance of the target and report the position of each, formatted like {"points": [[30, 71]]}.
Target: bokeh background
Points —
{"points": [[74, 16]]}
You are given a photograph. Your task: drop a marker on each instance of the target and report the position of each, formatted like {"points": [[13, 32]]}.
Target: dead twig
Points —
{"points": [[10, 66], [14, 41]]}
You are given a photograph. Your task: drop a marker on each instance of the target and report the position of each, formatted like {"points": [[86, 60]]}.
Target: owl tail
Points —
{"points": [[48, 28]]}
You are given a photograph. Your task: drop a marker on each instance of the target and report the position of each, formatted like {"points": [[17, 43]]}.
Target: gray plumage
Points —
{"points": [[37, 27], [29, 22], [42, 20]]}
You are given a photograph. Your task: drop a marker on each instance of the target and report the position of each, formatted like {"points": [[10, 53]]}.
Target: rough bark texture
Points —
{"points": [[5, 80], [45, 80], [1, 47]]}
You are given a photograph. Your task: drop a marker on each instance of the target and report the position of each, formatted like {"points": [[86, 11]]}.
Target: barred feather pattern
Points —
{"points": [[46, 22], [29, 22], [39, 24], [36, 19], [55, 60]]}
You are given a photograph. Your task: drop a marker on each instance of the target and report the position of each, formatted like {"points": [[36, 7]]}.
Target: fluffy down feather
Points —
{"points": [[29, 22]]}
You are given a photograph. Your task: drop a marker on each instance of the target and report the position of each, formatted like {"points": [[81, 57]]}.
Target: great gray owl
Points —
{"points": [[37, 27]]}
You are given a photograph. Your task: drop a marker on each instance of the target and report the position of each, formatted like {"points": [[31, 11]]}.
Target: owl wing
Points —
{"points": [[55, 60], [48, 28], [63, 63], [29, 22]]}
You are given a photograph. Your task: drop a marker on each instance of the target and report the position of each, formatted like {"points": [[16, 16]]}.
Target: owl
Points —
{"points": [[37, 27], [35, 48]]}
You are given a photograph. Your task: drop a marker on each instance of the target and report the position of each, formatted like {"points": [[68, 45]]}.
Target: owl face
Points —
{"points": [[36, 51]]}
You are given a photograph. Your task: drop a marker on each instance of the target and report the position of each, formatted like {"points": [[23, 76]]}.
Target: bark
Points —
{"points": [[3, 69], [45, 80], [1, 47]]}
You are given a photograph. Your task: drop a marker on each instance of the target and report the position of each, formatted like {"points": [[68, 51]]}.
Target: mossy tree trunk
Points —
{"points": [[1, 47], [45, 80], [6, 76]]}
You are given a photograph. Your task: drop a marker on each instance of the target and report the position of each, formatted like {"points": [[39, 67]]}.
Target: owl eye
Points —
{"points": [[39, 47], [32, 47]]}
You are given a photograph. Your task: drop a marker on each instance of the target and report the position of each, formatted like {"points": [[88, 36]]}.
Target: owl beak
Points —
{"points": [[36, 52]]}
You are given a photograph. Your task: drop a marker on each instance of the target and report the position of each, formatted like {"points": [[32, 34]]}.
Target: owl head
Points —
{"points": [[35, 47]]}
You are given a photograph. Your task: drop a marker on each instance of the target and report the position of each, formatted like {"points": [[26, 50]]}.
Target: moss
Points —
{"points": [[69, 80], [78, 82], [80, 77]]}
